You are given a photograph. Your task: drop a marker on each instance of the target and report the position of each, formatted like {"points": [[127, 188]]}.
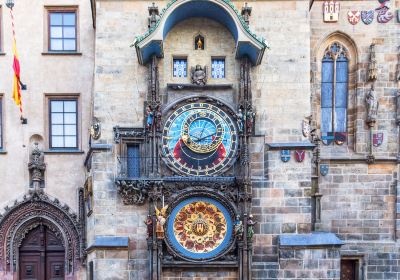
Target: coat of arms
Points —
{"points": [[327, 137], [354, 17], [367, 16], [377, 139], [340, 138], [285, 155], [299, 155], [324, 169], [384, 15], [331, 11]]}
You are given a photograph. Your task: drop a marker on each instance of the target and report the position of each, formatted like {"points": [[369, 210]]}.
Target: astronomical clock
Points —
{"points": [[200, 141]]}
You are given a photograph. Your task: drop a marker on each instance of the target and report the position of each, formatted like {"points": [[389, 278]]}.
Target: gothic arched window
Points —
{"points": [[334, 89]]}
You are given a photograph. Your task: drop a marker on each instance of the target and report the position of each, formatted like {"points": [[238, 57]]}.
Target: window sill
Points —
{"points": [[61, 53], [2, 53], [66, 151], [3, 152]]}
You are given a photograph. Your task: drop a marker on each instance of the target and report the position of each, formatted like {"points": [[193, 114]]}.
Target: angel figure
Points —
{"points": [[161, 219], [199, 75]]}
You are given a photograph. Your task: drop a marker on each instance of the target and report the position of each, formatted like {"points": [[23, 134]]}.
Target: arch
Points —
{"points": [[352, 55], [36, 209], [222, 11]]}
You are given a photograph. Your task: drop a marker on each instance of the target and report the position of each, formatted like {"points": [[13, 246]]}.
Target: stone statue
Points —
{"points": [[372, 106], [149, 224], [158, 117], [95, 129], [37, 166], [306, 126], [398, 66], [240, 120], [153, 16], [238, 228], [250, 227], [372, 66], [199, 75], [149, 118], [250, 117], [161, 219]]}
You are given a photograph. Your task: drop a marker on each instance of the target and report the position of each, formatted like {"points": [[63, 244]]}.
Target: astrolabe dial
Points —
{"points": [[200, 227], [199, 139]]}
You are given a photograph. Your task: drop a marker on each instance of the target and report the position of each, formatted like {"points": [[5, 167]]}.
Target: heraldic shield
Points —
{"points": [[377, 139], [324, 169], [285, 155], [367, 16]]}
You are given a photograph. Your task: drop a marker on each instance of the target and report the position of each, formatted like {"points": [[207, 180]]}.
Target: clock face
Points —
{"points": [[199, 139]]}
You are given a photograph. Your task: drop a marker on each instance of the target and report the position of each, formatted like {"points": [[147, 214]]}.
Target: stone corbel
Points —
{"points": [[133, 191], [127, 132]]}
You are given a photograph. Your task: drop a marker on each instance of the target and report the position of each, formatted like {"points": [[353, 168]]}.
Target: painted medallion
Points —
{"points": [[199, 227], [199, 139]]}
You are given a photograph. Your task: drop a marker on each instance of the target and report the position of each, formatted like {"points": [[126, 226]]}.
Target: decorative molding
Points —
{"points": [[127, 132], [133, 191], [38, 208], [199, 87], [291, 146]]}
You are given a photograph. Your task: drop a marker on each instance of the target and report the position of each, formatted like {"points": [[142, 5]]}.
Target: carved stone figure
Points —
{"points": [[149, 118], [158, 117], [246, 13], [238, 228], [161, 219], [306, 126], [250, 227], [241, 120], [250, 117], [153, 16], [37, 166], [372, 66], [199, 75], [149, 225], [95, 129], [372, 106]]}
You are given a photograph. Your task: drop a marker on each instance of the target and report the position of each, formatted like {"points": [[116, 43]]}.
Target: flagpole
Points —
{"points": [[17, 84]]}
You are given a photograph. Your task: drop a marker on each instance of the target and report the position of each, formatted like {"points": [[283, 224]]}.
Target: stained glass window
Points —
{"points": [[334, 89], [180, 68], [218, 68]]}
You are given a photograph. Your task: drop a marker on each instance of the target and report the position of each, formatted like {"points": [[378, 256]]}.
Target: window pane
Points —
{"points": [[70, 106], [57, 118], [340, 119], [56, 32], [55, 18], [69, 19], [56, 106], [70, 130], [57, 130], [69, 32], [57, 142], [326, 95], [70, 141], [133, 161], [327, 70], [56, 45], [326, 120], [218, 68], [341, 95], [69, 45], [341, 71], [180, 68], [70, 118]]}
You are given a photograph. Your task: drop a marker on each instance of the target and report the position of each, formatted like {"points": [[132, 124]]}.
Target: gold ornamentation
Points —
{"points": [[200, 227]]}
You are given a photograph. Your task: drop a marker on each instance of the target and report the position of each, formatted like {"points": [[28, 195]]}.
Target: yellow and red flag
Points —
{"points": [[16, 80]]}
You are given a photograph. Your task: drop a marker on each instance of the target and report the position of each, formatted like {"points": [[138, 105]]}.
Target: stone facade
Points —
{"points": [[295, 205]]}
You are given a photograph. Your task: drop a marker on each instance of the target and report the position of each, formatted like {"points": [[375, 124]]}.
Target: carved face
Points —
{"points": [[199, 139]]}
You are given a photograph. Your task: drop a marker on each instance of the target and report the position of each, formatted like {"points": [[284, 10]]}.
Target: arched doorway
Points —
{"points": [[41, 255]]}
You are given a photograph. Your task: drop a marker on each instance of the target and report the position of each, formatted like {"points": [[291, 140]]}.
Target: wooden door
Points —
{"points": [[41, 256], [348, 270]]}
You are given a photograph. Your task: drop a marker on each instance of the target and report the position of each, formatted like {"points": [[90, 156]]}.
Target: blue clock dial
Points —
{"points": [[199, 139]]}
